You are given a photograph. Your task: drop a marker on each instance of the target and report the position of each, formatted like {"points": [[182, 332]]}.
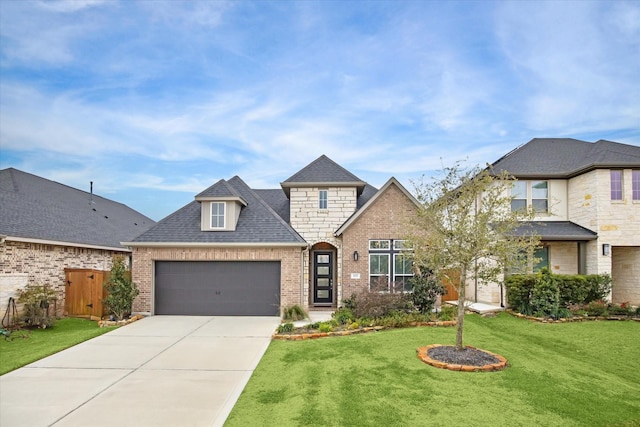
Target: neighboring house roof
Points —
{"points": [[353, 218], [258, 223], [39, 210], [565, 158], [557, 231], [323, 172]]}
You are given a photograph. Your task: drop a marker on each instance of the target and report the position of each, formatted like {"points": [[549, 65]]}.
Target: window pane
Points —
{"points": [[540, 205], [400, 244], [217, 214], [379, 263], [518, 204], [322, 259], [542, 255], [323, 270], [519, 190], [379, 244], [403, 264], [616, 185], [402, 284], [322, 199], [539, 190], [635, 183]]}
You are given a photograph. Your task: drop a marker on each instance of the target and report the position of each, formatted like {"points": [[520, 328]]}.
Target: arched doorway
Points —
{"points": [[323, 275]]}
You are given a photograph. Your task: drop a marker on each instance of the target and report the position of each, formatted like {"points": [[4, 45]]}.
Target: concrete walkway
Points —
{"points": [[158, 371]]}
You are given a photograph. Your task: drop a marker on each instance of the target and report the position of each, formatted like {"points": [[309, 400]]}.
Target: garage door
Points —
{"points": [[218, 288]]}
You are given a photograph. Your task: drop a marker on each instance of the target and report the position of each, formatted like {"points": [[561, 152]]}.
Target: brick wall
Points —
{"points": [[290, 264], [387, 218], [33, 263]]}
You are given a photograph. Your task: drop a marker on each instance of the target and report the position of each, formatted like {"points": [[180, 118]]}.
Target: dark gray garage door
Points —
{"points": [[217, 288]]}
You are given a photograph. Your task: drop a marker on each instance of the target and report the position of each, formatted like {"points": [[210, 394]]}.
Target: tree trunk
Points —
{"points": [[461, 299]]}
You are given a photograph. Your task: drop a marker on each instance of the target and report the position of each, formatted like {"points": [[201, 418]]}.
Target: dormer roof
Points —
{"points": [[323, 172], [221, 190]]}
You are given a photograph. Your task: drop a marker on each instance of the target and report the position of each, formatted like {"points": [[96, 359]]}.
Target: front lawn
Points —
{"points": [[573, 374], [44, 342]]}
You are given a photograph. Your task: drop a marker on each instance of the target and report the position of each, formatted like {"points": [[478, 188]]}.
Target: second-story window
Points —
{"points": [[322, 199], [616, 185], [635, 184], [530, 193], [217, 214]]}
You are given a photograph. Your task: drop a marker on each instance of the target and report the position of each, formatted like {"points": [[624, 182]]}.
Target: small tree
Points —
{"points": [[36, 310], [466, 225], [121, 291], [426, 290]]}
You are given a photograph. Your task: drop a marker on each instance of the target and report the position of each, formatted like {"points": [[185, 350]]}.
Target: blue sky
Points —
{"points": [[156, 100]]}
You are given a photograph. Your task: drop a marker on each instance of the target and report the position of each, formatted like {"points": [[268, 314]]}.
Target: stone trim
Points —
{"points": [[424, 356]]}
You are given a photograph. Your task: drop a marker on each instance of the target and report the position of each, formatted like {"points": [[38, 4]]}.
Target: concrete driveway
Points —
{"points": [[158, 371]]}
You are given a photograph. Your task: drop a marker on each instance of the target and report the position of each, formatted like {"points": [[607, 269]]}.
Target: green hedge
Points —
{"points": [[522, 290]]}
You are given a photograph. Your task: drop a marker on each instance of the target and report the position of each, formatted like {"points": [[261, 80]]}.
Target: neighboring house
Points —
{"points": [[46, 227], [587, 199], [324, 235]]}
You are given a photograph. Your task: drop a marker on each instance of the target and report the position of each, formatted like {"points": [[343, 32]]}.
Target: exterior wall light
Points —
{"points": [[355, 255], [606, 249]]}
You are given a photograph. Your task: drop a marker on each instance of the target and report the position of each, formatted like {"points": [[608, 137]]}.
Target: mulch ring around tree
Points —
{"points": [[470, 359]]}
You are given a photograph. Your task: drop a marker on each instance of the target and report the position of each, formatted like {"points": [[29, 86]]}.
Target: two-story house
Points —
{"points": [[322, 236], [587, 201]]}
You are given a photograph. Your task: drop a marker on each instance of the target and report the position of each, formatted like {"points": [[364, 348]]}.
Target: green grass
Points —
{"points": [[571, 374], [44, 342]]}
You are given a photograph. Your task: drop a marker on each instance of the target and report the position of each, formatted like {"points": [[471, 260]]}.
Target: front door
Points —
{"points": [[323, 278]]}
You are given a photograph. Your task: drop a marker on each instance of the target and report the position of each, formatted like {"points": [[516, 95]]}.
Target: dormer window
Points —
{"points": [[217, 214], [322, 199]]}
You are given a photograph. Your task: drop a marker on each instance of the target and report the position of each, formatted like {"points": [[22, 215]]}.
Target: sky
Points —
{"points": [[154, 101]]}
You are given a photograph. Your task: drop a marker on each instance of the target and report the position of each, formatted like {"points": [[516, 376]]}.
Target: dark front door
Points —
{"points": [[323, 278]]}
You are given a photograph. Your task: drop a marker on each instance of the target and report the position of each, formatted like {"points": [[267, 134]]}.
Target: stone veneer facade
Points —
{"points": [[144, 261], [24, 263]]}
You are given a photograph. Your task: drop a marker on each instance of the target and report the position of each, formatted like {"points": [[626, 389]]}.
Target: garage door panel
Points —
{"points": [[222, 288]]}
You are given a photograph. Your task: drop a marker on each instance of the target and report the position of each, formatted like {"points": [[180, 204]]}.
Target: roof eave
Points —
{"points": [[216, 244], [68, 244]]}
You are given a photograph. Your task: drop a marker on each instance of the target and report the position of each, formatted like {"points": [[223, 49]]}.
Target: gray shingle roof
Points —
{"points": [[219, 189], [557, 230], [323, 169], [36, 208], [566, 157], [258, 223]]}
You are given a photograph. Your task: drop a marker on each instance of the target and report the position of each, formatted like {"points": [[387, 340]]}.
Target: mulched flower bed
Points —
{"points": [[470, 359], [576, 318], [304, 333]]}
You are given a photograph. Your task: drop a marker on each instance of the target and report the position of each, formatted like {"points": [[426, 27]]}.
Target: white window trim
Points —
{"points": [[621, 199], [224, 216], [392, 251], [325, 200], [528, 195]]}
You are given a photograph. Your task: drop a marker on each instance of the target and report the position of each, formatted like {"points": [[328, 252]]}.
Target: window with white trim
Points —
{"points": [[635, 185], [390, 265], [616, 184], [323, 199], [217, 214], [530, 193]]}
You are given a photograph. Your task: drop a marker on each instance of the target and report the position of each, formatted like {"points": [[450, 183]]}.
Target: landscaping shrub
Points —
{"points": [[285, 327], [448, 312], [426, 290], [519, 289], [379, 304], [597, 308], [623, 309], [36, 310], [343, 316], [545, 298], [573, 291], [294, 312], [121, 290], [325, 327]]}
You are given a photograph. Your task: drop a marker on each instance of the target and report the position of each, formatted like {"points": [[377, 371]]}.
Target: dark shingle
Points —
{"points": [[258, 223], [323, 169], [36, 208], [565, 157], [557, 230]]}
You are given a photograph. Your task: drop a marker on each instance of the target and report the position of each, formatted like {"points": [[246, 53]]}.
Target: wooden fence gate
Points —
{"points": [[451, 286], [84, 292]]}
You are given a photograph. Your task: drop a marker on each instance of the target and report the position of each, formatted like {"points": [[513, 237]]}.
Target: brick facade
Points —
{"points": [[290, 258], [387, 218], [34, 263]]}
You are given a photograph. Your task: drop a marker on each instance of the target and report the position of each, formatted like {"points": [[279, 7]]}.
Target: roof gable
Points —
{"points": [[36, 208], [323, 172], [391, 182], [565, 158], [258, 223]]}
